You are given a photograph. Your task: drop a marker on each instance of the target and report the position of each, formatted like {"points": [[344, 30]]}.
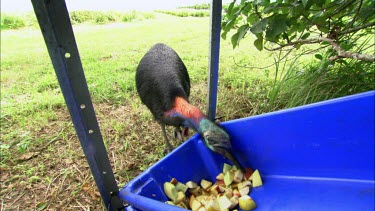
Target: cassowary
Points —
{"points": [[163, 85]]}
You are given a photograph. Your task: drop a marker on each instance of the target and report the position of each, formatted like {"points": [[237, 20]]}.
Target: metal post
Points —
{"points": [[215, 27], [54, 21]]}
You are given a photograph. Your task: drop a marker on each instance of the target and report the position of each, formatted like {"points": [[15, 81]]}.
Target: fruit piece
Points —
{"points": [[234, 168], [181, 187], [236, 193], [183, 205], [170, 202], [191, 184], [206, 184], [220, 176], [191, 199], [214, 190], [170, 191], [228, 193], [196, 191], [212, 205], [238, 176], [248, 173], [220, 183], [234, 201], [224, 202], [196, 205], [228, 178], [243, 184], [202, 209], [256, 180], [180, 197], [244, 191], [226, 168], [174, 181], [246, 203]]}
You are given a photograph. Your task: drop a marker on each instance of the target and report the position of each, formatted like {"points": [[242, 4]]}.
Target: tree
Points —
{"points": [[345, 26]]}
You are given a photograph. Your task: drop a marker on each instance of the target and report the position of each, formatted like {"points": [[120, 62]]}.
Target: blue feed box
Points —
{"points": [[313, 157]]}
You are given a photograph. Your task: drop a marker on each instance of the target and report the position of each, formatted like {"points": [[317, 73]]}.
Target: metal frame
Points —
{"points": [[54, 22]]}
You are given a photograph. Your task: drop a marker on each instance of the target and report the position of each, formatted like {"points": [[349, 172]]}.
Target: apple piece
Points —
{"points": [[191, 184], [214, 190], [170, 191], [234, 201], [212, 205], [170, 202], [226, 168], [201, 198], [181, 187], [174, 181], [228, 178], [219, 189], [191, 199], [202, 209], [224, 202], [256, 179], [183, 205], [246, 203], [238, 176], [220, 176], [244, 191], [236, 193], [234, 168], [196, 205], [243, 184], [248, 173], [180, 197], [220, 182], [206, 184], [196, 191], [228, 193]]}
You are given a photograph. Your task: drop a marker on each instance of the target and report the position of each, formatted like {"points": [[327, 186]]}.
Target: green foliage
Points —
{"points": [[186, 13], [11, 21], [204, 6], [288, 21]]}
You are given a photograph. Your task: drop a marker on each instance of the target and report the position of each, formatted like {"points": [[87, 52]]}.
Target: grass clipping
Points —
{"points": [[229, 192]]}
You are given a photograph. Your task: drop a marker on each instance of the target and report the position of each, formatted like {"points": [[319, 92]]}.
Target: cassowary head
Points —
{"points": [[216, 139]]}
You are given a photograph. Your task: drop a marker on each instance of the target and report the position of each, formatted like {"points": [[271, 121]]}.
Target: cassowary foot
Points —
{"points": [[178, 134]]}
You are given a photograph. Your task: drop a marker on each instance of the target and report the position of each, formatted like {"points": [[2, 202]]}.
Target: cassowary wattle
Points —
{"points": [[163, 85]]}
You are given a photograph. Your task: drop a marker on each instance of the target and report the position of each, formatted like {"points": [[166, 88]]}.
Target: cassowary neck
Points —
{"points": [[189, 112]]}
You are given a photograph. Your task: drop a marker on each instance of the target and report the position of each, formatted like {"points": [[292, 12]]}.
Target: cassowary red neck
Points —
{"points": [[188, 111]]}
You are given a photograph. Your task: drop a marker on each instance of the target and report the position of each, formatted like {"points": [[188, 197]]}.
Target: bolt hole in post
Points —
{"points": [[67, 55]]}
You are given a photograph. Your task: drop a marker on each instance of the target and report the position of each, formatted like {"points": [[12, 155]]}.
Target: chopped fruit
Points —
{"points": [[180, 197], [174, 181], [246, 203], [196, 191], [170, 190], [191, 184], [206, 184], [255, 177], [224, 202], [244, 191], [181, 187], [243, 184], [228, 178], [248, 173], [220, 176], [226, 168], [212, 205], [238, 176]]}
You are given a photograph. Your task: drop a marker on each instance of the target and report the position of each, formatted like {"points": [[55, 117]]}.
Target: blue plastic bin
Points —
{"points": [[313, 157]]}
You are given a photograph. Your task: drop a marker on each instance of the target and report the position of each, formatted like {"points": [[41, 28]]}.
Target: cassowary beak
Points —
{"points": [[229, 156]]}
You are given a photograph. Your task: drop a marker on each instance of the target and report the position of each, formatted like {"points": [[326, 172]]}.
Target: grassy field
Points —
{"points": [[42, 164]]}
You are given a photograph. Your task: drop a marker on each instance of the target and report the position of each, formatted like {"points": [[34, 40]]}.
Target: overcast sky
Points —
{"points": [[147, 5]]}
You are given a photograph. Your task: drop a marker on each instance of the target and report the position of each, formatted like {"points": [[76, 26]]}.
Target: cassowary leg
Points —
{"points": [[178, 134], [168, 147]]}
